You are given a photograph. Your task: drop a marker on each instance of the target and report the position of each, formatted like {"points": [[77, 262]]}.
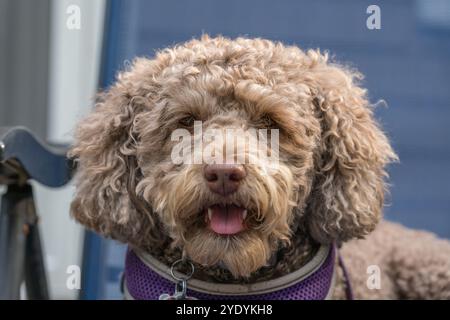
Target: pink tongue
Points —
{"points": [[226, 220]]}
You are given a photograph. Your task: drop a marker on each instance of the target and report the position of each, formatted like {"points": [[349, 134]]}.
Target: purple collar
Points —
{"points": [[143, 282]]}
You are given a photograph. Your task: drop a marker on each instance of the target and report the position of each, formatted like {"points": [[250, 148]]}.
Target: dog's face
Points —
{"points": [[234, 208], [231, 205]]}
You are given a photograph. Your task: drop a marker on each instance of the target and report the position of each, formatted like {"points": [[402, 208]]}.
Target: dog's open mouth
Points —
{"points": [[226, 219]]}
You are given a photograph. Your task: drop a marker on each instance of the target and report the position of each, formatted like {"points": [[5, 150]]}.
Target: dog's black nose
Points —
{"points": [[224, 179]]}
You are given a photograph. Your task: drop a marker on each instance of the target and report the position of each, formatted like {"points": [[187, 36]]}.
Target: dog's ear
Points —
{"points": [[107, 171], [348, 191]]}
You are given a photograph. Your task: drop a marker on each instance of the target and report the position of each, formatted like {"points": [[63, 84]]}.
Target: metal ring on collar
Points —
{"points": [[186, 277]]}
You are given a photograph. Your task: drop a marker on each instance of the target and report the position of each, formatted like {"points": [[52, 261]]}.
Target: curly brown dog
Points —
{"points": [[328, 188]]}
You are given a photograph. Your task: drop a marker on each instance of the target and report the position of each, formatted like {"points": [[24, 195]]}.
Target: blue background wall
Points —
{"points": [[406, 63]]}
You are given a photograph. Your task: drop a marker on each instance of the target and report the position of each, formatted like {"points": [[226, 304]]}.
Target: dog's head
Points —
{"points": [[328, 180]]}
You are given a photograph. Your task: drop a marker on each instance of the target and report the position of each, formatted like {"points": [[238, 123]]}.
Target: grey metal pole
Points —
{"points": [[35, 273], [14, 207]]}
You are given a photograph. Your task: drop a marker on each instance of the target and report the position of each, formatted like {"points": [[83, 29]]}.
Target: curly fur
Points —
{"points": [[329, 186]]}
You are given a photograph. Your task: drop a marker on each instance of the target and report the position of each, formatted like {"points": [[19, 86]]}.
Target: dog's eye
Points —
{"points": [[187, 121], [267, 122]]}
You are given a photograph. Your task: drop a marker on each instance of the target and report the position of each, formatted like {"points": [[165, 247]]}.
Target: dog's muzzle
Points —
{"points": [[145, 278]]}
